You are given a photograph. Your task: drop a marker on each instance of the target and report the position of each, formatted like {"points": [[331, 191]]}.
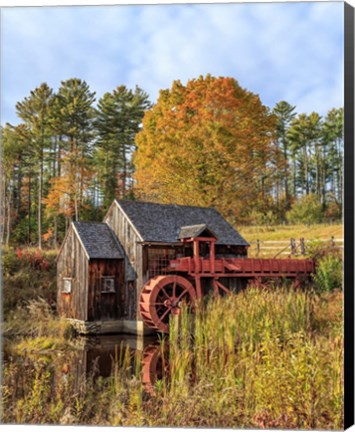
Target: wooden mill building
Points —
{"points": [[102, 267]]}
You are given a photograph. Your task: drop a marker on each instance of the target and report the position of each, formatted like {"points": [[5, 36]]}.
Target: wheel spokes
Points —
{"points": [[174, 289], [164, 314], [161, 297], [166, 294], [182, 294]]}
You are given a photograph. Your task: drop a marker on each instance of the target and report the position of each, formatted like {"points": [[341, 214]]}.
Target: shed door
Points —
{"points": [[106, 289]]}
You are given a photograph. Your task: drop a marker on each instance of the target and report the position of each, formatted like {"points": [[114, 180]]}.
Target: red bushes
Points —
{"points": [[34, 258]]}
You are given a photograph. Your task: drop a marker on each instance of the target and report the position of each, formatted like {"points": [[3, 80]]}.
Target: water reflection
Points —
{"points": [[90, 358], [155, 365]]}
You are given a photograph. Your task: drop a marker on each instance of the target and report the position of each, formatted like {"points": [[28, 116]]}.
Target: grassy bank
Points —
{"points": [[260, 358], [285, 232], [257, 359]]}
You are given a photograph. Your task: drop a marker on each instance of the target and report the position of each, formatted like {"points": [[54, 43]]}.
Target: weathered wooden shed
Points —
{"points": [[90, 278], [102, 267]]}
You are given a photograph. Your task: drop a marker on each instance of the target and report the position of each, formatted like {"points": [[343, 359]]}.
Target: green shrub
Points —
{"points": [[10, 262], [263, 218], [307, 210], [329, 273]]}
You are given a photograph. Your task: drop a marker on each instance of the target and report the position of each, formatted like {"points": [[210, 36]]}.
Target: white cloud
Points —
{"points": [[280, 51]]}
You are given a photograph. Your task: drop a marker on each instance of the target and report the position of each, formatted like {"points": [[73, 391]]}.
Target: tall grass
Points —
{"points": [[261, 358], [258, 358]]}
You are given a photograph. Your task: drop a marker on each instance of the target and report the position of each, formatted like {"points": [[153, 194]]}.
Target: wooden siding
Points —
{"points": [[107, 305], [133, 260], [72, 263]]}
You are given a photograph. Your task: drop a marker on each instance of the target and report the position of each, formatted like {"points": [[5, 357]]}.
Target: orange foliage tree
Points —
{"points": [[209, 143]]}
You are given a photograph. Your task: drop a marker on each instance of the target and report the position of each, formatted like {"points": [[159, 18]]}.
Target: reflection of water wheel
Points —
{"points": [[155, 366], [162, 296]]}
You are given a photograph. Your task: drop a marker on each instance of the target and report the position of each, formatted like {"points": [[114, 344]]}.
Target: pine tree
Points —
{"points": [[73, 116], [35, 111], [332, 133], [304, 136], [284, 113], [119, 118]]}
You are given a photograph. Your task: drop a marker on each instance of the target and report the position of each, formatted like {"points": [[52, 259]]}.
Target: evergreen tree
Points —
{"points": [[119, 118], [304, 136], [332, 133], [284, 113], [35, 111], [73, 120]]}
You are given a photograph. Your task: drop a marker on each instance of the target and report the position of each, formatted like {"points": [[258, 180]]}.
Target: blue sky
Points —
{"points": [[281, 51]]}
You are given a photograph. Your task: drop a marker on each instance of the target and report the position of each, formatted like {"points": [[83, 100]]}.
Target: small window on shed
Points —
{"points": [[108, 284], [67, 285]]}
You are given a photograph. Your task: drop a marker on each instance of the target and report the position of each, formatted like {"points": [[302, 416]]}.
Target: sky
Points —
{"points": [[280, 51]]}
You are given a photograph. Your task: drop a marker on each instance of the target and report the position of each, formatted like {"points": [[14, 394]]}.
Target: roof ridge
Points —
{"points": [[194, 225], [165, 204], [162, 222], [90, 222]]}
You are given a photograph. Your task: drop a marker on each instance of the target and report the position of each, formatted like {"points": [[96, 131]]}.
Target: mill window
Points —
{"points": [[67, 283], [108, 284]]}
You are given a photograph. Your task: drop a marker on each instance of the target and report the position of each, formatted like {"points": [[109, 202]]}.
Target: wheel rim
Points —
{"points": [[163, 296]]}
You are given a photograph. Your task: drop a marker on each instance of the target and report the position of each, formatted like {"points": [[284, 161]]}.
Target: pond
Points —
{"points": [[89, 357]]}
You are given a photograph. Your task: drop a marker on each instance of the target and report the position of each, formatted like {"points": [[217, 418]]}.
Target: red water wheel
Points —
{"points": [[162, 296]]}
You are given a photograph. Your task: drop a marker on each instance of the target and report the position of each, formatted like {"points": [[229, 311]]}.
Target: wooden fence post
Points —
{"points": [[257, 247], [302, 246], [332, 242], [293, 246]]}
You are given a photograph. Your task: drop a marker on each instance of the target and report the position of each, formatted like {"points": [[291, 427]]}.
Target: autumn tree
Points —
{"points": [[209, 143]]}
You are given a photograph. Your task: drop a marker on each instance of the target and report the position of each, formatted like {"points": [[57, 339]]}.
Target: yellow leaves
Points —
{"points": [[206, 143], [48, 235]]}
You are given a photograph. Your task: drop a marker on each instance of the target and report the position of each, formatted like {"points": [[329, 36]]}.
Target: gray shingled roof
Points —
{"points": [[163, 222], [99, 240], [192, 231]]}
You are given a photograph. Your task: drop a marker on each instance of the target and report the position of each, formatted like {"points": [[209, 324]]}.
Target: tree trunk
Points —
{"points": [[55, 232], [339, 172], [306, 169], [18, 191], [76, 208], [40, 195], [317, 174], [3, 205], [294, 177], [124, 173], [8, 224], [29, 209], [287, 194]]}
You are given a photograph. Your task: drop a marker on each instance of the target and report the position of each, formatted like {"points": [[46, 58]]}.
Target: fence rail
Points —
{"points": [[291, 247]]}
